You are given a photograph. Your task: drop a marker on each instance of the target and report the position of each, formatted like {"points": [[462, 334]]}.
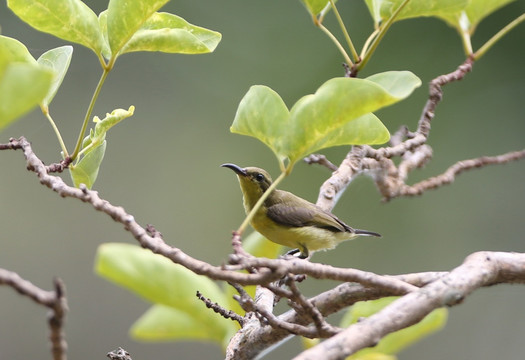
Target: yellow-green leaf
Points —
{"points": [[172, 34], [58, 61], [469, 18], [381, 10], [325, 118], [14, 51], [23, 85], [315, 7], [70, 20], [126, 17], [160, 281], [162, 323], [86, 170]]}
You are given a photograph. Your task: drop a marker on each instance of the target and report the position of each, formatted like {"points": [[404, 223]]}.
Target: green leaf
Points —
{"points": [[381, 10], [14, 51], [264, 115], [111, 119], [468, 19], [315, 7], [161, 323], [70, 20], [103, 23], [160, 281], [399, 340], [125, 18], [57, 60], [172, 34], [23, 85], [86, 170], [339, 113]]}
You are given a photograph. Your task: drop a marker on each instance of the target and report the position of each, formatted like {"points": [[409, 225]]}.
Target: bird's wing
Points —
{"points": [[303, 213]]}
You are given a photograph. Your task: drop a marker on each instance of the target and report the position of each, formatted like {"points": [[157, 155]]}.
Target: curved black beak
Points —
{"points": [[238, 170]]}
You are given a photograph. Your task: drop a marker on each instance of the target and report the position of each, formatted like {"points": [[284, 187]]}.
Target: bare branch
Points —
{"points": [[251, 340], [227, 314], [478, 270], [54, 300], [450, 174], [414, 151], [321, 160]]}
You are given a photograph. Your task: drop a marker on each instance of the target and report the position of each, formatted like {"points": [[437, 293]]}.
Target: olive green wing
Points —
{"points": [[297, 212]]}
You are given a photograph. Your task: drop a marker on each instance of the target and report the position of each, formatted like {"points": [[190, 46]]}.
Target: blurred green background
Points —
{"points": [[162, 165]]}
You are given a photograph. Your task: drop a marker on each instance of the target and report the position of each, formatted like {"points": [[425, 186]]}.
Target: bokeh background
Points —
{"points": [[162, 165]]}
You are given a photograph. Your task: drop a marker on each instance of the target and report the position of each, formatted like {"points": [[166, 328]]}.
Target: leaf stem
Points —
{"points": [[483, 49], [259, 203], [345, 32], [336, 42], [467, 44], [382, 31], [45, 111], [89, 111]]}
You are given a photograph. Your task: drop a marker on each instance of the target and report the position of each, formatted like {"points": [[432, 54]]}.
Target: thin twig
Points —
{"points": [[321, 160], [227, 314], [450, 174], [54, 300]]}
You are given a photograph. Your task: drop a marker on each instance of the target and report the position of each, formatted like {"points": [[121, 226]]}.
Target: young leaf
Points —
{"points": [[125, 17], [57, 60], [382, 10], [162, 282], [86, 170], [23, 85], [70, 20], [172, 34], [102, 126], [468, 19], [161, 323]]}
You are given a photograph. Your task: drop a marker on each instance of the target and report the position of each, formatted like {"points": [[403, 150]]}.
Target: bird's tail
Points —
{"points": [[366, 233]]}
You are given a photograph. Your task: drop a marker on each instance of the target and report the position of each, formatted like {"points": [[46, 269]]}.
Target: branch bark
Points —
{"points": [[478, 270], [54, 300]]}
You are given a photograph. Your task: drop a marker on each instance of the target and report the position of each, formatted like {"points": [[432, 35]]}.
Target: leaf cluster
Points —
{"points": [[125, 27]]}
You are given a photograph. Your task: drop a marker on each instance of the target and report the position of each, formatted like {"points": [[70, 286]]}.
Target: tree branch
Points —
{"points": [[478, 270], [54, 300]]}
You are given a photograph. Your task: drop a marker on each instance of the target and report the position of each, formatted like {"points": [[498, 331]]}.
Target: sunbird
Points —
{"points": [[289, 220]]}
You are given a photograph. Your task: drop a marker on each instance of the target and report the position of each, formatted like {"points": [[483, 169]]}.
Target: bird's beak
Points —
{"points": [[238, 170]]}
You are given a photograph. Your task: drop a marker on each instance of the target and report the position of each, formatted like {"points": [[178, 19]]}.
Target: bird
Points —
{"points": [[289, 220]]}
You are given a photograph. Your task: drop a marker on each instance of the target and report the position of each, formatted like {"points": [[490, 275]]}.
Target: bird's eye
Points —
{"points": [[259, 177]]}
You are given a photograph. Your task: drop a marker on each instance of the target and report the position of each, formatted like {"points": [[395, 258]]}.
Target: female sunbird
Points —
{"points": [[289, 220]]}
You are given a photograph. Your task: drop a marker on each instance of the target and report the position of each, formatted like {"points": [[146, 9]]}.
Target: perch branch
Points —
{"points": [[268, 270]]}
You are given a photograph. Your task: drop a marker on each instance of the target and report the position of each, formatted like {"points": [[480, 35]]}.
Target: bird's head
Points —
{"points": [[254, 181]]}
